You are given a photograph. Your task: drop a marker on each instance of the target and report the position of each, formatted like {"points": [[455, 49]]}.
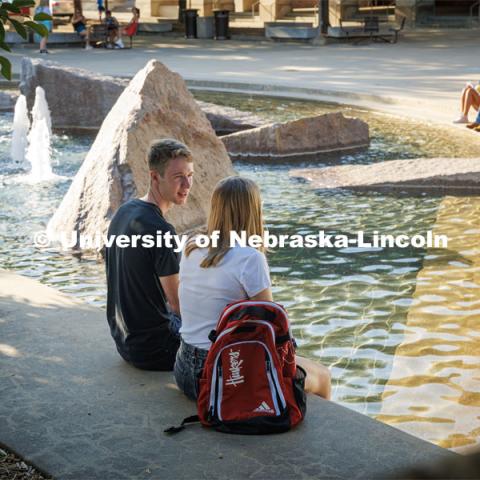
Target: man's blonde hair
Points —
{"points": [[163, 150]]}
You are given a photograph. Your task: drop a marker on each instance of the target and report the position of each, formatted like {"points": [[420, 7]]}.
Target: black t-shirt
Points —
{"points": [[136, 304]]}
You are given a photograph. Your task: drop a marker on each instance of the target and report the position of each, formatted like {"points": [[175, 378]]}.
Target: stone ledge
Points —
{"points": [[287, 30], [443, 175], [151, 27], [72, 407]]}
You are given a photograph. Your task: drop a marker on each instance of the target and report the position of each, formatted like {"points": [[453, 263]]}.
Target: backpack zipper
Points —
{"points": [[263, 322], [273, 388], [252, 302]]}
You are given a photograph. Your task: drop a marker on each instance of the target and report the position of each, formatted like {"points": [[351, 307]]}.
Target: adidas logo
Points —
{"points": [[264, 408]]}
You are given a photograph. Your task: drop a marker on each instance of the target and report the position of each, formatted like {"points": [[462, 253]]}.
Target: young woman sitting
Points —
{"points": [[211, 278], [79, 23], [131, 28]]}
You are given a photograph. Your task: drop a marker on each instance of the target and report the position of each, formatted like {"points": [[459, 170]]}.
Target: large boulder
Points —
{"points": [[439, 174], [155, 104], [298, 139], [77, 98], [81, 99]]}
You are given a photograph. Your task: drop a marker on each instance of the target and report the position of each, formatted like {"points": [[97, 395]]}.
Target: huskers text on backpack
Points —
{"points": [[250, 383]]}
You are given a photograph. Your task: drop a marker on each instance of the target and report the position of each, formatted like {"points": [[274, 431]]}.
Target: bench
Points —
{"points": [[98, 34], [369, 27], [290, 30]]}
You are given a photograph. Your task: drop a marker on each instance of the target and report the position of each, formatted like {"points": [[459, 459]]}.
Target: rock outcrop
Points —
{"points": [[155, 104], [7, 101], [81, 99], [298, 139], [227, 120], [77, 98], [440, 174]]}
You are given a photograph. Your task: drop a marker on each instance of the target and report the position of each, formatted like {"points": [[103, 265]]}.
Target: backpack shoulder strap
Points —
{"points": [[185, 421]]}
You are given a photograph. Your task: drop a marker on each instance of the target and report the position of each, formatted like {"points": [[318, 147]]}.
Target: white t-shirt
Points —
{"points": [[204, 292]]}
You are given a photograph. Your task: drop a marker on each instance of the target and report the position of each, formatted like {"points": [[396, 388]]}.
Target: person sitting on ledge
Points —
{"points": [[211, 278], [129, 30], [142, 282], [131, 27], [470, 99], [79, 23], [112, 26]]}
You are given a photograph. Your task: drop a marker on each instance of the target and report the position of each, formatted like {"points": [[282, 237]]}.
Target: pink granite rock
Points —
{"points": [[311, 136], [156, 104]]}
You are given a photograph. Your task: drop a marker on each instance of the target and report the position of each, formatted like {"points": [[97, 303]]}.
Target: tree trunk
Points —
{"points": [[77, 5]]}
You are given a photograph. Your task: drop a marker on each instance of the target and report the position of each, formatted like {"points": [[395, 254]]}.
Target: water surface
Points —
{"points": [[350, 308]]}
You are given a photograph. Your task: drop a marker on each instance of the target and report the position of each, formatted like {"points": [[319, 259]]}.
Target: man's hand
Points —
{"points": [[170, 287]]}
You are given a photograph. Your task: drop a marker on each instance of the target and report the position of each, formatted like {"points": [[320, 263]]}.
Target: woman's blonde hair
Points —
{"points": [[235, 206]]}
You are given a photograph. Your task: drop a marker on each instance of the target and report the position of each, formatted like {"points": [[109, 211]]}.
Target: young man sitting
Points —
{"points": [[142, 282], [112, 26]]}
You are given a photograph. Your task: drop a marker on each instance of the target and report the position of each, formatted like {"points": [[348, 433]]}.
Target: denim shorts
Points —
{"points": [[188, 368]]}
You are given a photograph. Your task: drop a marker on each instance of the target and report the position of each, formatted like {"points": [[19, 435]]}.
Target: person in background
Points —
{"points": [[100, 9], [470, 99], [79, 23], [112, 26], [131, 27], [43, 7]]}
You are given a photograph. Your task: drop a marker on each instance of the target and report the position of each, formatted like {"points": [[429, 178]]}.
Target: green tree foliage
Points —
{"points": [[11, 13]]}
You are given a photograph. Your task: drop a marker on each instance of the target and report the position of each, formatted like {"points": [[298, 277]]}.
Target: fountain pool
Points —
{"points": [[355, 310]]}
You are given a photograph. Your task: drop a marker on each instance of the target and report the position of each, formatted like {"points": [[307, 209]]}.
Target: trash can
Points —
{"points": [[205, 27], [221, 24], [191, 23]]}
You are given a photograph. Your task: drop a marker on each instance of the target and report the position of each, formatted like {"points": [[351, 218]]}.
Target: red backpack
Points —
{"points": [[249, 382]]}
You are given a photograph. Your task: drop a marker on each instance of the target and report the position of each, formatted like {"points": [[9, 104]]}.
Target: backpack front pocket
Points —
{"points": [[241, 389]]}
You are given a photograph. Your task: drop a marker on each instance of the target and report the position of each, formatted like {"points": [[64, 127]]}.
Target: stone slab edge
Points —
{"points": [[441, 175]]}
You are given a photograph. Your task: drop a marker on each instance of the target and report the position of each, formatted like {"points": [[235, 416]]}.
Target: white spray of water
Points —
{"points": [[21, 124], [39, 148]]}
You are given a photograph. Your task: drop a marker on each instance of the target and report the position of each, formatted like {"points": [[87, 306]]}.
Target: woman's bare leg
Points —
{"points": [[86, 36], [318, 379], [470, 98]]}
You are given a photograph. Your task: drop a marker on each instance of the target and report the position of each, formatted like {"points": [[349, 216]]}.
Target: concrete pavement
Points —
{"points": [[71, 406], [420, 77]]}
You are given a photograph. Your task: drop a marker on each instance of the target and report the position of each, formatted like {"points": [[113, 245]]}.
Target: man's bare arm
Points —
{"points": [[170, 287]]}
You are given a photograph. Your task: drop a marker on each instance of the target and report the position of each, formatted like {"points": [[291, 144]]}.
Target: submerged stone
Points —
{"points": [[297, 139], [227, 120], [156, 104], [419, 174]]}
